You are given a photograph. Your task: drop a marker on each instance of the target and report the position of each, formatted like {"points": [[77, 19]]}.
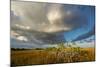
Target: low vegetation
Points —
{"points": [[60, 54]]}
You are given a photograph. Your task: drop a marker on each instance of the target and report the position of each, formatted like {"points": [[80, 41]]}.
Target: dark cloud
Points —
{"points": [[76, 21], [41, 38], [19, 44], [47, 17], [14, 19], [45, 23]]}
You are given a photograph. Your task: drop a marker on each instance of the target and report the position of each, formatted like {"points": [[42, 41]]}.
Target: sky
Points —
{"points": [[38, 24]]}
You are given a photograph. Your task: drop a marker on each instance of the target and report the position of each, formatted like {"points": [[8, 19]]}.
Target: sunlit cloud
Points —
{"points": [[22, 38], [13, 33], [46, 17], [22, 27], [45, 23]]}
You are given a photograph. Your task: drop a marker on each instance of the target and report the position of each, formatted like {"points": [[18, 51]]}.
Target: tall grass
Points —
{"points": [[61, 54]]}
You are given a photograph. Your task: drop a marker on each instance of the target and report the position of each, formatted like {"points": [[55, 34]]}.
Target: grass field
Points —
{"points": [[51, 56]]}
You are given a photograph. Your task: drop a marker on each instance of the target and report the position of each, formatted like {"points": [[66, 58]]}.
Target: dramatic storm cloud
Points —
{"points": [[47, 17], [45, 23]]}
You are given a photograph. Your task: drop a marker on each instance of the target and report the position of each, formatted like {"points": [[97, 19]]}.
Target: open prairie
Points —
{"points": [[51, 56]]}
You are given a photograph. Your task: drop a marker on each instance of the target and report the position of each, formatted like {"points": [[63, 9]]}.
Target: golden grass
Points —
{"points": [[66, 55]]}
